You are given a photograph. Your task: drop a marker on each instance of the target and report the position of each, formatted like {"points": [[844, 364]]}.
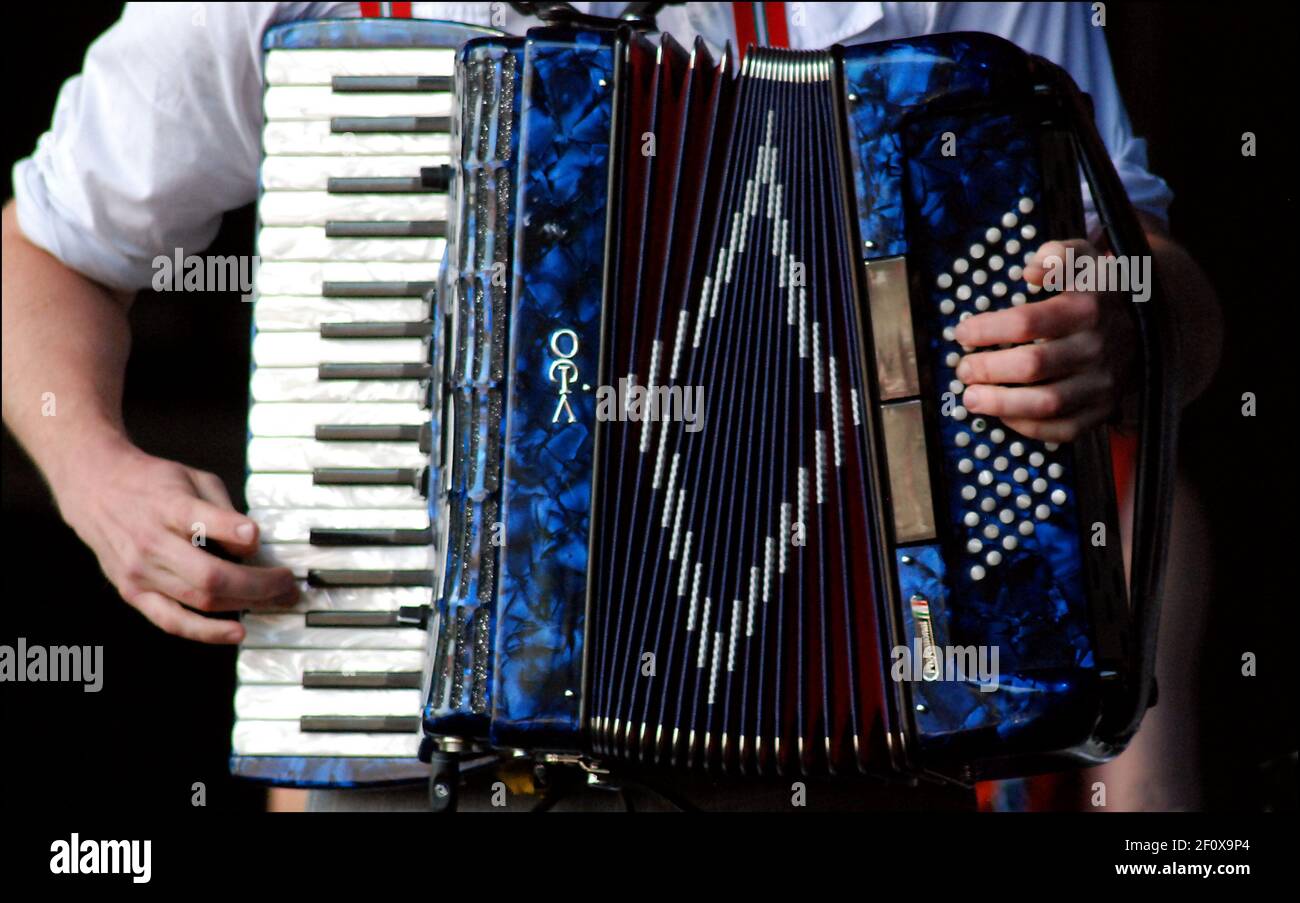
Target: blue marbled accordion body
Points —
{"points": [[631, 590]]}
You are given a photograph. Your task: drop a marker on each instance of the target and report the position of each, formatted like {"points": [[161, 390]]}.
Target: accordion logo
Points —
{"points": [[564, 345]]}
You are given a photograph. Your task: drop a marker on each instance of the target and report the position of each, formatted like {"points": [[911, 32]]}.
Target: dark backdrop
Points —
{"points": [[1194, 76]]}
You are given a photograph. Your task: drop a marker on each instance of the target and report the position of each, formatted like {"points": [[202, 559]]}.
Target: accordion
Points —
{"points": [[604, 398]]}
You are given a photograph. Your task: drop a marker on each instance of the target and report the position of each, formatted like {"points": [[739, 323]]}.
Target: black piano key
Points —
{"points": [[366, 476], [353, 432], [386, 229], [419, 329], [436, 178], [378, 185], [353, 619], [414, 616], [400, 124], [376, 289], [344, 536], [374, 371], [362, 680], [347, 84], [359, 724], [406, 616], [342, 577]]}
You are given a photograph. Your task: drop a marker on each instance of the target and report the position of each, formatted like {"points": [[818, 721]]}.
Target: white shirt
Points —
{"points": [[160, 133]]}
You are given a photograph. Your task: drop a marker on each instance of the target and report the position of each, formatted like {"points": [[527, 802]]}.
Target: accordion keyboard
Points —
{"points": [[352, 228]]}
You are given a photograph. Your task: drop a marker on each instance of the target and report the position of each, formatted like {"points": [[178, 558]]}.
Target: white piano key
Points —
{"points": [[292, 419], [288, 313], [316, 66], [292, 278], [281, 102], [293, 455], [293, 490], [307, 349], [310, 172], [310, 243], [381, 270], [350, 598], [284, 738], [289, 631], [287, 666], [313, 136], [315, 208], [300, 557], [303, 384], [260, 701], [295, 524]]}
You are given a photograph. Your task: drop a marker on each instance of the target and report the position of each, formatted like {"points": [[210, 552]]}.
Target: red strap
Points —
{"points": [[393, 10], [778, 32], [749, 27], [1123, 461], [746, 33]]}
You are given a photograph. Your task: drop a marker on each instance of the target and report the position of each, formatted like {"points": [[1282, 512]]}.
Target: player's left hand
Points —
{"points": [[1072, 363]]}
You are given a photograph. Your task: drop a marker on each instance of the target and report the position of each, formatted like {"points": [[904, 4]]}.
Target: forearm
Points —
{"points": [[66, 341], [1195, 317]]}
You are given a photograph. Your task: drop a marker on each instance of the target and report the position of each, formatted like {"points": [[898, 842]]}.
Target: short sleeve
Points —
{"points": [[152, 142]]}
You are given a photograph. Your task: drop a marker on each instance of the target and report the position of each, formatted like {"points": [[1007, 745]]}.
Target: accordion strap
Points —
{"points": [[1158, 410], [640, 15]]}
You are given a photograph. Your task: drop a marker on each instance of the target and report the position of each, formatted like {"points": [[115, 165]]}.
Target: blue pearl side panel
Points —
{"points": [[475, 305], [948, 173], [340, 34], [320, 771], [888, 82], [554, 355]]}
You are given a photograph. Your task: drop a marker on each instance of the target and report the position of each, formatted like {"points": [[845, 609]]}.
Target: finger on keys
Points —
{"points": [[1032, 363], [212, 584], [1054, 254], [236, 532], [176, 619], [1048, 401], [210, 487], [1052, 318], [190, 590], [279, 603]]}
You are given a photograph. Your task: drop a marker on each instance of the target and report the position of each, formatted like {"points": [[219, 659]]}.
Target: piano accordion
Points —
{"points": [[604, 398]]}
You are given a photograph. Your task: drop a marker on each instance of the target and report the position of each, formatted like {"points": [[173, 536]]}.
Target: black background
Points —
{"points": [[1194, 77]]}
